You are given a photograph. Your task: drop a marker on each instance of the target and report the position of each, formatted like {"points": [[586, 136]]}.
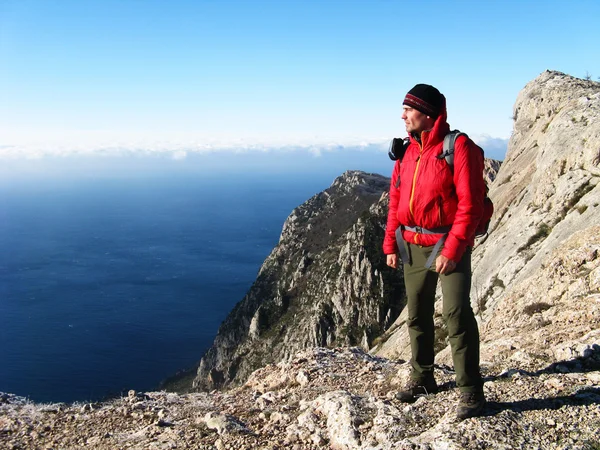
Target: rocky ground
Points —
{"points": [[327, 398]]}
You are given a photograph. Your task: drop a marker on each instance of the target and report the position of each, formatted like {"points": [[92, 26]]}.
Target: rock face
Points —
{"points": [[324, 284], [554, 315], [546, 190]]}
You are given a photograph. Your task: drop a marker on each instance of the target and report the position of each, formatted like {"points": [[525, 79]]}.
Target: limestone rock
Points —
{"points": [[224, 424], [346, 406], [325, 283]]}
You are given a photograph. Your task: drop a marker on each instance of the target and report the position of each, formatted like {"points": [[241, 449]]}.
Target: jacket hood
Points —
{"points": [[439, 130]]}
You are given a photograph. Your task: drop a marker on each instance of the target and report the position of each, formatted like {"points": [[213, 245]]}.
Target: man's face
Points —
{"points": [[416, 121]]}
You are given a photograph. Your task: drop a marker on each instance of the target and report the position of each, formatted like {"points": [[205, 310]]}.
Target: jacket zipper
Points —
{"points": [[414, 183]]}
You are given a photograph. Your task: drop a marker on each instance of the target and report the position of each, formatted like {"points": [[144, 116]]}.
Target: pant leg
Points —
{"points": [[420, 284], [463, 332]]}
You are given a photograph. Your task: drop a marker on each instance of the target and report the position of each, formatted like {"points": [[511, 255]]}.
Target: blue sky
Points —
{"points": [[181, 76]]}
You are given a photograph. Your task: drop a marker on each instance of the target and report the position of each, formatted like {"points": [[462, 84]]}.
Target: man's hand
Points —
{"points": [[392, 260], [443, 265]]}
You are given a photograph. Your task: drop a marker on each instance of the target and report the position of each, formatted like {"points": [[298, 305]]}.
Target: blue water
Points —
{"points": [[110, 283]]}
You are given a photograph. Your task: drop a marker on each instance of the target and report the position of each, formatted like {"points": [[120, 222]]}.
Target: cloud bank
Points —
{"points": [[180, 150]]}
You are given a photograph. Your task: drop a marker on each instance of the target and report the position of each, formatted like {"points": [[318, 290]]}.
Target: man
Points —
{"points": [[432, 200]]}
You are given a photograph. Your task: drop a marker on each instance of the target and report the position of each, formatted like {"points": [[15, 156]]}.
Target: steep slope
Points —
{"points": [[546, 190], [552, 316], [324, 284]]}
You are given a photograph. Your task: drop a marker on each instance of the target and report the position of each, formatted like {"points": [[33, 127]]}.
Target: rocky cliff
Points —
{"points": [[324, 284]]}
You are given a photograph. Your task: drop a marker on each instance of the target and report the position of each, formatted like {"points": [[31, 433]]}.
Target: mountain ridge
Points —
{"points": [[324, 284]]}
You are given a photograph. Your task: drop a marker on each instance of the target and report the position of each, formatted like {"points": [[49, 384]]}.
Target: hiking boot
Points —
{"points": [[415, 389], [470, 405]]}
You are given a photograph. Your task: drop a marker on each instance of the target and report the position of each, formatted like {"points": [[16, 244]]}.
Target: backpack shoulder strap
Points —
{"points": [[448, 147]]}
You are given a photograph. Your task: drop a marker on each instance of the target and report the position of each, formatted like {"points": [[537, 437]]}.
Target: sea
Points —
{"points": [[115, 273]]}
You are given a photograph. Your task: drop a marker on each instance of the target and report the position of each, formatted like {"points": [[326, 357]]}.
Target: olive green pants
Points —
{"points": [[457, 312]]}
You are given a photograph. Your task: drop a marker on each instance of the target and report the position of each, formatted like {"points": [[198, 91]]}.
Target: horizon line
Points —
{"points": [[181, 149]]}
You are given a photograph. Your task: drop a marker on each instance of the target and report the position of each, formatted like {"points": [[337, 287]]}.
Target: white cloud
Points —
{"points": [[493, 147], [315, 151], [59, 144], [179, 155]]}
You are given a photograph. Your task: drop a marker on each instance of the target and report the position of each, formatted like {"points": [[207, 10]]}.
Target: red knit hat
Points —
{"points": [[425, 98]]}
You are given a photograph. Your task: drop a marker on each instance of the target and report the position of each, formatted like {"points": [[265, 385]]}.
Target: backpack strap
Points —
{"points": [[448, 147], [405, 255]]}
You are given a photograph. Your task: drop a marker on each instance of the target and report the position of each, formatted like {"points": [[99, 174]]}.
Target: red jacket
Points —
{"points": [[431, 194]]}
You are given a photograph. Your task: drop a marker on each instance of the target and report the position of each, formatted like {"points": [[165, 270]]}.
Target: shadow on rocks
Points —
{"points": [[590, 363], [583, 397]]}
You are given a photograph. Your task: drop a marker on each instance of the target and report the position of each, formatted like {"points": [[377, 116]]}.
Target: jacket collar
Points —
{"points": [[436, 134]]}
